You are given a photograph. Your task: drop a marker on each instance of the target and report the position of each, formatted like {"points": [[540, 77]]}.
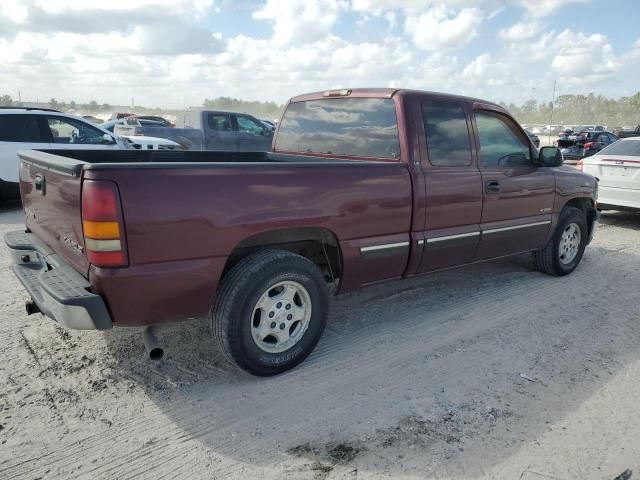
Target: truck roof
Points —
{"points": [[384, 93]]}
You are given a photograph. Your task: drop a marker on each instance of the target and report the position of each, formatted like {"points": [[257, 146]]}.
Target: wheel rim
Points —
{"points": [[570, 243], [281, 317]]}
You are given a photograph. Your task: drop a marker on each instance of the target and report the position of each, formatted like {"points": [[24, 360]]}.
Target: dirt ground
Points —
{"points": [[489, 371]]}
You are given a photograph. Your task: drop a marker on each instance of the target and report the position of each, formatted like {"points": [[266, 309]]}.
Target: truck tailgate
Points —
{"points": [[50, 187]]}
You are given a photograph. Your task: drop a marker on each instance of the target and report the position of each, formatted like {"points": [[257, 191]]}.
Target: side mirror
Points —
{"points": [[108, 139], [550, 157]]}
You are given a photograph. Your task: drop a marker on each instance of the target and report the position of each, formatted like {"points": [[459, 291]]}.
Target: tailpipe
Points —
{"points": [[154, 350], [31, 307]]}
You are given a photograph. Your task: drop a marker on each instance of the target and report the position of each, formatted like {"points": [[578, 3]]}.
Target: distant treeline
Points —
{"points": [[580, 109], [264, 110], [567, 109]]}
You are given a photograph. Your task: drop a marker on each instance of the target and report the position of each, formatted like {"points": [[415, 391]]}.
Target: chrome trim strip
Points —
{"points": [[373, 248], [420, 242], [516, 227], [452, 237]]}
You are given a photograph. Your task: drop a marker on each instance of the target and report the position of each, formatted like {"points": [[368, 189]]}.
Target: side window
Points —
{"points": [[20, 128], [66, 130], [219, 122], [248, 125], [501, 145], [445, 125]]}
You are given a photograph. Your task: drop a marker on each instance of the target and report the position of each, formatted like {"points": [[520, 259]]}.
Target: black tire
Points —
{"points": [[548, 258], [232, 315]]}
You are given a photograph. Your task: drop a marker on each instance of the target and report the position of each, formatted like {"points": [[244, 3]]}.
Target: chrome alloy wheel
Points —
{"points": [[569, 243], [281, 317]]}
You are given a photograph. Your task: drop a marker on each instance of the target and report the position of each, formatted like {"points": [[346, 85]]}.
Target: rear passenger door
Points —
{"points": [[219, 134], [518, 195], [453, 186], [18, 132]]}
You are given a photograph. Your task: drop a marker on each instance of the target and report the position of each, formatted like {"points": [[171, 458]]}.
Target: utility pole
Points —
{"points": [[553, 101]]}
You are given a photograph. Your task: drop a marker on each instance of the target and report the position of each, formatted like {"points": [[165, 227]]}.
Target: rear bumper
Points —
{"points": [[624, 198], [58, 290]]}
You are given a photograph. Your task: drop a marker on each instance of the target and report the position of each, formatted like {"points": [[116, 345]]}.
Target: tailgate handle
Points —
{"points": [[38, 183]]}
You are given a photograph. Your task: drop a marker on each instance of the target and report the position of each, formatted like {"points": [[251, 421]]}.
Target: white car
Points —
{"points": [[618, 169], [29, 128]]}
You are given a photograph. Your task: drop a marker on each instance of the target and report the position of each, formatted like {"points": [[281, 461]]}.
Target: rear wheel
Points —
{"points": [[562, 254], [270, 312]]}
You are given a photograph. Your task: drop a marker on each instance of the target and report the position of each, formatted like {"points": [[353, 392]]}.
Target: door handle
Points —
{"points": [[492, 186]]}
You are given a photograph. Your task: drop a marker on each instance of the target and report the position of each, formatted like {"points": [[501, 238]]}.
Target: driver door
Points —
{"points": [[252, 135], [518, 195], [69, 133]]}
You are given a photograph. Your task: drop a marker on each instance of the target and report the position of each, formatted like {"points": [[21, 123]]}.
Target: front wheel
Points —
{"points": [[270, 312], [562, 254]]}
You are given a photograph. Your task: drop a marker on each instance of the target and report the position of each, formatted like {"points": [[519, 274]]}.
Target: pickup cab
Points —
{"points": [[362, 186]]}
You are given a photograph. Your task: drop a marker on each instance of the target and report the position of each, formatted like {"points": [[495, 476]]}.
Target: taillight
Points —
{"points": [[588, 145], [580, 165], [102, 226]]}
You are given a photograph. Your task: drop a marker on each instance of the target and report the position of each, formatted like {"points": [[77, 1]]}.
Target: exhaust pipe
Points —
{"points": [[31, 307], [154, 350]]}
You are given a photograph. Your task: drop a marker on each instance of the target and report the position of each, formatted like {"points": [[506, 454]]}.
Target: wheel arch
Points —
{"points": [[587, 206], [317, 244]]}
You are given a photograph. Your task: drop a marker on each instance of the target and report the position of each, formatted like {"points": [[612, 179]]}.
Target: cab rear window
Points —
{"points": [[358, 127]]}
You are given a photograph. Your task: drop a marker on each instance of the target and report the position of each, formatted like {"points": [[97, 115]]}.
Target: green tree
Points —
{"points": [[6, 101]]}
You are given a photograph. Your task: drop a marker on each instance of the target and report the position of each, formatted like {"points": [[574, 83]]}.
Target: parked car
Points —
{"points": [[119, 115], [161, 121], [534, 138], [28, 128], [256, 241], [622, 133], [575, 146], [618, 168]]}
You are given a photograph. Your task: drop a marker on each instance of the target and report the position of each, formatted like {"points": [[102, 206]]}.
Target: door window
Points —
{"points": [[20, 128], [501, 145], [219, 122], [445, 126], [69, 131], [249, 125]]}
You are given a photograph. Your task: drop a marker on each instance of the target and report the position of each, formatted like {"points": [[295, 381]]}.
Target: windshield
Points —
{"points": [[623, 147], [360, 127]]}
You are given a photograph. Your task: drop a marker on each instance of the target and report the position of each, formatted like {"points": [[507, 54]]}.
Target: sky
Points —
{"points": [[175, 53]]}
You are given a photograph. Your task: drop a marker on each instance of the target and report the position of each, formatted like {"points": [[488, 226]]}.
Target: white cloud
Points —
{"points": [[300, 21], [167, 52], [520, 31], [582, 57], [542, 8], [439, 28]]}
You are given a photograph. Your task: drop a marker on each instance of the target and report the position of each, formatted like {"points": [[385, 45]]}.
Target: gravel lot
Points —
{"points": [[489, 371]]}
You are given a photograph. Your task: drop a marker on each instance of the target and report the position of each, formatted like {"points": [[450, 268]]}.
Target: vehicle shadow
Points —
{"points": [[424, 370], [621, 219]]}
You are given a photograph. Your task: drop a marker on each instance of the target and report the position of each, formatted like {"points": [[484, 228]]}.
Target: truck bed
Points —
{"points": [[185, 212]]}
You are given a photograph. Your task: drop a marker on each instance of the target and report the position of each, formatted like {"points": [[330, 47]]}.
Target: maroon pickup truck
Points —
{"points": [[361, 186]]}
